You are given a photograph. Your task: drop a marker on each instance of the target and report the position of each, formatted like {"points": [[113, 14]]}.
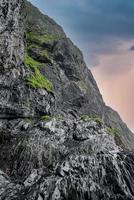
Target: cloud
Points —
{"points": [[118, 62], [117, 92], [115, 78], [97, 21], [99, 17], [131, 48], [96, 26]]}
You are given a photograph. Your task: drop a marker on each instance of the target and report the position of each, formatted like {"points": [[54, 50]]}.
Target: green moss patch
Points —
{"points": [[114, 132], [91, 118], [41, 54], [46, 117], [36, 38], [45, 55], [37, 80], [82, 86], [31, 63]]}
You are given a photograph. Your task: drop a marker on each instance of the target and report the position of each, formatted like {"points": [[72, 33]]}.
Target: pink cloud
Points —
{"points": [[115, 78]]}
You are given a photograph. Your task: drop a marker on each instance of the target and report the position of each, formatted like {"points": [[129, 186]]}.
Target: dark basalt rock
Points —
{"points": [[74, 86], [58, 144], [50, 163], [16, 98]]}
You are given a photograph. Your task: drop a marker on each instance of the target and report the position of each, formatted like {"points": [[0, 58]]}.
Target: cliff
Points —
{"points": [[58, 139], [74, 87]]}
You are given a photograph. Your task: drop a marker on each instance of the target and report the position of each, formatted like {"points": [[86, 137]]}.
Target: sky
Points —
{"points": [[104, 31]]}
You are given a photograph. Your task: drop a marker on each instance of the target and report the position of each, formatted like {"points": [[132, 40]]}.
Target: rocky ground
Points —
{"points": [[64, 159], [58, 139]]}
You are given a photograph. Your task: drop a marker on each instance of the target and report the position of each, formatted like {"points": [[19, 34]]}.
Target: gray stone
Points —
{"points": [[60, 145]]}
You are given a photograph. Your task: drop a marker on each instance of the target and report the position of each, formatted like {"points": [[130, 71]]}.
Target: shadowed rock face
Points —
{"points": [[11, 37], [74, 86], [63, 159], [17, 100], [58, 140]]}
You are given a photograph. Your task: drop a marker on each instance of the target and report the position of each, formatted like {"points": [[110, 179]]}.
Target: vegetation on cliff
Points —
{"points": [[37, 80]]}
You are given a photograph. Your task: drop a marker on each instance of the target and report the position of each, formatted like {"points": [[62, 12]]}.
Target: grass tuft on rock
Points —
{"points": [[82, 86], [91, 118], [46, 117], [37, 80], [36, 38], [114, 132], [31, 63], [41, 55]]}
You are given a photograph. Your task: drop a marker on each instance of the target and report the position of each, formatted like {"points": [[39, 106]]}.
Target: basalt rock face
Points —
{"points": [[64, 159], [74, 87], [58, 140], [17, 99]]}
